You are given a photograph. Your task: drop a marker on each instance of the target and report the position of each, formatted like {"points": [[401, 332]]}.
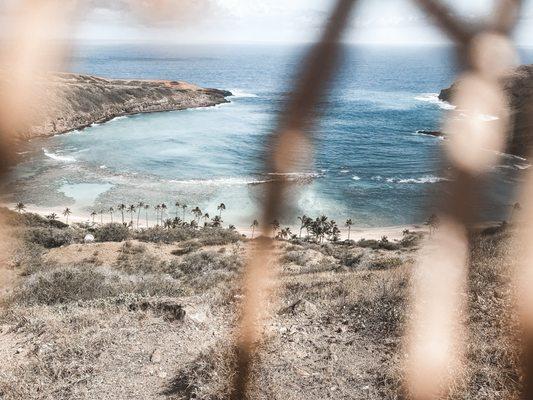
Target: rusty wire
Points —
{"points": [[291, 139], [434, 338]]}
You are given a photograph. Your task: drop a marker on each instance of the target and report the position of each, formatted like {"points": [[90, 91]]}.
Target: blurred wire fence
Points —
{"points": [[484, 51]]}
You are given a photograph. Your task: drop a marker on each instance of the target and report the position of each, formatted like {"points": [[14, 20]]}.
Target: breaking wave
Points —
{"points": [[433, 98], [241, 93], [420, 180], [58, 157]]}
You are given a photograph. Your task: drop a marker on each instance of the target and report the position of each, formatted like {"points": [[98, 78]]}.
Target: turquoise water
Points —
{"points": [[370, 164]]}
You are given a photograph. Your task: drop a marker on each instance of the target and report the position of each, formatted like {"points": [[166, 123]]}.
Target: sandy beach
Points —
{"points": [[356, 233]]}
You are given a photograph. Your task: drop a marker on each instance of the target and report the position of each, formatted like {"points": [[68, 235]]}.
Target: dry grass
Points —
{"points": [[84, 319]]}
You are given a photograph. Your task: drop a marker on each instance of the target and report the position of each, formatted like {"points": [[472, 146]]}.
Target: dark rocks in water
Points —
{"points": [[518, 85], [431, 133]]}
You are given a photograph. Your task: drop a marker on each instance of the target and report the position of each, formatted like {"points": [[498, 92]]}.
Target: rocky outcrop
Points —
{"points": [[430, 133], [72, 101], [518, 86]]}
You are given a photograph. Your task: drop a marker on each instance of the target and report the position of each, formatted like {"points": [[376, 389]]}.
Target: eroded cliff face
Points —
{"points": [[518, 85], [72, 101]]}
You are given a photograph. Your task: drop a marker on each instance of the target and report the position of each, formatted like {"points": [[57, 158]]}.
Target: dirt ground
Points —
{"points": [[335, 332]]}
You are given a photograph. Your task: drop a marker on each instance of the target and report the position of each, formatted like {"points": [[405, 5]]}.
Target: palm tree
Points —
{"points": [[197, 213], [163, 208], [516, 207], [221, 208], [101, 212], [194, 224], [140, 206], [20, 207], [66, 213], [177, 204], [183, 207], [254, 225], [52, 217], [146, 207], [205, 217], [157, 208], [111, 212], [131, 209], [217, 221], [349, 224], [304, 222], [176, 222], [433, 223], [285, 233], [275, 226], [121, 208], [93, 214]]}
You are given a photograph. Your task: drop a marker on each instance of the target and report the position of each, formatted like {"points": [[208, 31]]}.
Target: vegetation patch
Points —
{"points": [[111, 233], [49, 237]]}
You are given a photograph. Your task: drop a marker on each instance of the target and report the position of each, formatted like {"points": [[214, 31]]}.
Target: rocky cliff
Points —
{"points": [[518, 85], [73, 101]]}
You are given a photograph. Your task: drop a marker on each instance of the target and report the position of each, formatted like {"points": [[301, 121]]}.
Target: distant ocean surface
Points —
{"points": [[370, 164]]}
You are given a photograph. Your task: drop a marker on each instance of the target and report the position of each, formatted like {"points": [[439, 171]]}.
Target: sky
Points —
{"points": [[388, 22]]}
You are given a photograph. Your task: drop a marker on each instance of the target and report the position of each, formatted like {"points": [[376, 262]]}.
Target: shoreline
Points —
{"points": [[393, 232]]}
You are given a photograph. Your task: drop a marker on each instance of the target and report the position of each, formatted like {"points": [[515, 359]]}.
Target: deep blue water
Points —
{"points": [[370, 164]]}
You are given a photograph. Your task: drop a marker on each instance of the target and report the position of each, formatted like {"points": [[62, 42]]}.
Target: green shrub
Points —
{"points": [[298, 257], [411, 239], [132, 248], [385, 263], [134, 263], [370, 243], [68, 284], [163, 235], [186, 248], [111, 233], [49, 237], [205, 236], [63, 285], [218, 237], [13, 218], [207, 261]]}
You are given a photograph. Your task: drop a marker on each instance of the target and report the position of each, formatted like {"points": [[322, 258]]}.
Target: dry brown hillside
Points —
{"points": [[150, 316]]}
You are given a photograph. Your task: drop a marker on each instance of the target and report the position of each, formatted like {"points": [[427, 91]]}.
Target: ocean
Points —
{"points": [[370, 163]]}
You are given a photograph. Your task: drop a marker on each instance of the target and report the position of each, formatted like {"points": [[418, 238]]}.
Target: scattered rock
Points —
{"points": [[300, 307], [518, 86], [169, 309], [88, 238], [156, 356]]}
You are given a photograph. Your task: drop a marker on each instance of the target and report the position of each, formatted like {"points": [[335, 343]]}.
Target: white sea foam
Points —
{"points": [[296, 176], [221, 181], [103, 166], [241, 93], [522, 166], [119, 117], [240, 181], [433, 98], [344, 171], [58, 157], [507, 155], [422, 179], [356, 178]]}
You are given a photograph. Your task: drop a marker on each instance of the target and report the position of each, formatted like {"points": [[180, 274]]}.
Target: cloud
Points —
{"points": [[156, 13]]}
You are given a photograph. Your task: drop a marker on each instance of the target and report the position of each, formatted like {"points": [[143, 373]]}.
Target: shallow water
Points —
{"points": [[370, 164]]}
